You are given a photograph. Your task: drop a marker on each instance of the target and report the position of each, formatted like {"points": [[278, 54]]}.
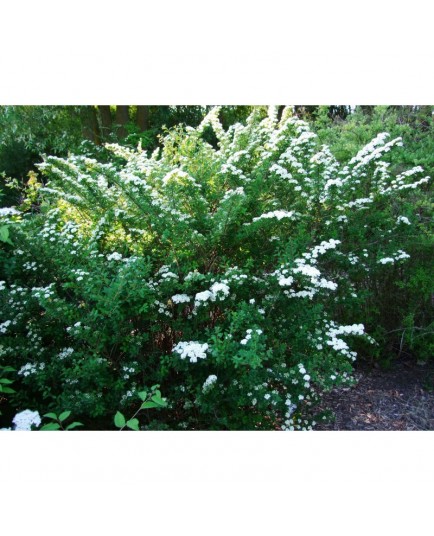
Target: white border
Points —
{"points": [[229, 52], [213, 483], [232, 52]]}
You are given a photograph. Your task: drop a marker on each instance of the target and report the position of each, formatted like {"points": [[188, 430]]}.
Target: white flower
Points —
{"points": [[203, 296], [114, 257], [27, 369], [8, 211], [209, 382], [180, 298], [23, 421], [286, 281], [66, 352], [278, 214], [220, 287], [387, 260], [4, 326], [192, 349]]}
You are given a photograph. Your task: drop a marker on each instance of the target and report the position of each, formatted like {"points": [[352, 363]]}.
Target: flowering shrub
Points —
{"points": [[236, 276]]}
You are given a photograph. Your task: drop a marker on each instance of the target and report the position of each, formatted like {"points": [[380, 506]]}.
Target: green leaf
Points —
{"points": [[51, 426], [8, 369], [73, 425], [143, 395], [5, 381], [133, 424], [4, 234], [64, 415], [7, 390], [51, 416], [158, 400], [148, 405], [119, 420]]}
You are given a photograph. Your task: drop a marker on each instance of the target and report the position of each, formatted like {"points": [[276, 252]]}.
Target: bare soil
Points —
{"points": [[401, 398]]}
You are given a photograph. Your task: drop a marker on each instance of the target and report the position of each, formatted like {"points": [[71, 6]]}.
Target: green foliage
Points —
{"points": [[58, 422], [413, 123], [241, 275], [407, 297], [4, 235], [26, 132], [5, 383], [150, 400]]}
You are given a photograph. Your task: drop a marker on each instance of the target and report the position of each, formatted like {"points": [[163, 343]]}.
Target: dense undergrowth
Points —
{"points": [[222, 282]]}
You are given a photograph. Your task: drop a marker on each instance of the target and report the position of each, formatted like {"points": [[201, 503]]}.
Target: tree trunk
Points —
{"points": [[90, 124], [106, 120], [143, 117], [367, 109], [122, 118], [280, 112], [305, 112]]}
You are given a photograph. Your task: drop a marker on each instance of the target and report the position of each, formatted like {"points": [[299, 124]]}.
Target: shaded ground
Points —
{"points": [[401, 398]]}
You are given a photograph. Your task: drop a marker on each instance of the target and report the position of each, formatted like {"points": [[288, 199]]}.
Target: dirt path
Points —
{"points": [[398, 399]]}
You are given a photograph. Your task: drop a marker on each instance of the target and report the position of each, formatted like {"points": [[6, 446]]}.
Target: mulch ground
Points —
{"points": [[401, 398]]}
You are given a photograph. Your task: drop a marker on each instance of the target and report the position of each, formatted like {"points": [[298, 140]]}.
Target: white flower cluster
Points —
{"points": [[278, 214], [65, 353], [80, 274], [339, 344], [165, 273], [30, 368], [180, 298], [24, 420], [399, 255], [4, 326], [30, 266], [114, 256], [230, 193], [233, 170], [194, 276], [43, 292], [209, 383], [76, 328], [399, 183], [9, 211], [315, 278], [286, 280], [127, 371], [280, 171], [177, 176], [218, 290], [163, 308], [403, 219], [249, 335], [193, 350]]}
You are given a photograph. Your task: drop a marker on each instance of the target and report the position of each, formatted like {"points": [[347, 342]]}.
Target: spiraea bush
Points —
{"points": [[239, 278]]}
